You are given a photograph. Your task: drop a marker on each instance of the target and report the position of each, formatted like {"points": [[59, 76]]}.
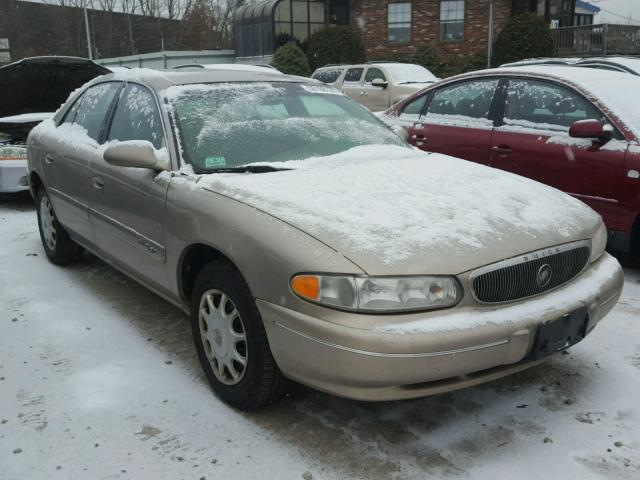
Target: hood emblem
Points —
{"points": [[543, 277]]}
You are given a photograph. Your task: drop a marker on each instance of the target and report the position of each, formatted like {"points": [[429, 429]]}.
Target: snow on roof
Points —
{"points": [[616, 91]]}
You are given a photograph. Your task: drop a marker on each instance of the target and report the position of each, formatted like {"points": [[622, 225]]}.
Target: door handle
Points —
{"points": [[48, 158], [501, 150], [96, 182]]}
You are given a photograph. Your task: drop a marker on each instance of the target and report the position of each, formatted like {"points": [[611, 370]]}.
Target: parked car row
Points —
{"points": [[573, 128], [307, 241]]}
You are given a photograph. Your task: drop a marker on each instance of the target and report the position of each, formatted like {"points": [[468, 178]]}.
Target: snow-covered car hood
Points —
{"points": [[396, 210]]}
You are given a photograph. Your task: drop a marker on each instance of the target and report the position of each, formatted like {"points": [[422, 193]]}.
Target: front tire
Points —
{"points": [[230, 339], [57, 243]]}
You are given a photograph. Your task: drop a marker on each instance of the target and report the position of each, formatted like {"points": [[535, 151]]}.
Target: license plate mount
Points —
{"points": [[560, 334]]}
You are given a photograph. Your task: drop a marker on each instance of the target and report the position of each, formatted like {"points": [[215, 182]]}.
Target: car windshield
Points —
{"points": [[409, 73], [227, 125]]}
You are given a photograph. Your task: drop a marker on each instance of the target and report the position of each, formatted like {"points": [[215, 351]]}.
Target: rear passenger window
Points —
{"points": [[353, 75], [464, 102], [137, 117], [327, 76], [94, 106], [546, 106]]}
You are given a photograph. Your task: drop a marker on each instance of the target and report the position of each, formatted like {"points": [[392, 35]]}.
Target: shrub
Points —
{"points": [[290, 59], [524, 36], [341, 44], [426, 56]]}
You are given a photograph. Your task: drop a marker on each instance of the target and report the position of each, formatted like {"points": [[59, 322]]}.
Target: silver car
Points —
{"points": [[308, 242]]}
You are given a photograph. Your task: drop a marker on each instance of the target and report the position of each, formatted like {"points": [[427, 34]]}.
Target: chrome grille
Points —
{"points": [[530, 274]]}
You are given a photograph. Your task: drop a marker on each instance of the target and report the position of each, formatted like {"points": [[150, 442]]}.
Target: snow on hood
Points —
{"points": [[394, 209]]}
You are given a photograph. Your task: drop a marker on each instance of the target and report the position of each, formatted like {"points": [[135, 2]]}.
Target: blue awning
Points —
{"points": [[587, 6]]}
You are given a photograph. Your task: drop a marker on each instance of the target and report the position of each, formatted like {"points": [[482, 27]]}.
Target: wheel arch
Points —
{"points": [[192, 260], [35, 183]]}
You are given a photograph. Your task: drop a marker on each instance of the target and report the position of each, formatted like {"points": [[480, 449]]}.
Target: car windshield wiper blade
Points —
{"points": [[244, 169], [416, 81]]}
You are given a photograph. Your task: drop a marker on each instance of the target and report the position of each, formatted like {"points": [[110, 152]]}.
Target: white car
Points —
{"points": [[13, 156]]}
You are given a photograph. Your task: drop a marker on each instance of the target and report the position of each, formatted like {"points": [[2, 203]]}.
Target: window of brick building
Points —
{"points": [[451, 19], [399, 26]]}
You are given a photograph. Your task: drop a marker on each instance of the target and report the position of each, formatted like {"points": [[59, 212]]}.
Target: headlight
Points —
{"points": [[378, 294], [599, 243]]}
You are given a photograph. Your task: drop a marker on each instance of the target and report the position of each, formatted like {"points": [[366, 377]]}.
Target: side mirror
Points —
{"points": [[591, 129], [378, 82], [135, 153], [402, 132]]}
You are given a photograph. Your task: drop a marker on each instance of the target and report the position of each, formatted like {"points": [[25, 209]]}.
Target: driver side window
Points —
{"points": [[137, 117], [372, 74], [545, 106]]}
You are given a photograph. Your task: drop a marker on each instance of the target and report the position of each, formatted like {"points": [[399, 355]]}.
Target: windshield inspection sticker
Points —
{"points": [[215, 162]]}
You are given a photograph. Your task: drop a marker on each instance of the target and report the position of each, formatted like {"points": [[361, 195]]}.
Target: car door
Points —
{"points": [[533, 141], [127, 205], [456, 119], [66, 159], [375, 98], [352, 83]]}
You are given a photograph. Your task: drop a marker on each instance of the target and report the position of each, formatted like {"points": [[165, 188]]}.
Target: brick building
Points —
{"points": [[455, 28], [31, 29]]}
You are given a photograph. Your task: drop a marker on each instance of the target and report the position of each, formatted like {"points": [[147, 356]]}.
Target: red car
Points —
{"points": [[576, 129]]}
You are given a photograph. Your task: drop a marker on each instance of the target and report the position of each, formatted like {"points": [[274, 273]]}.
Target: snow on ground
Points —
{"points": [[98, 380]]}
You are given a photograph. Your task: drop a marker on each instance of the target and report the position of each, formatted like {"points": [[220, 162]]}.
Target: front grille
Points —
{"points": [[529, 274]]}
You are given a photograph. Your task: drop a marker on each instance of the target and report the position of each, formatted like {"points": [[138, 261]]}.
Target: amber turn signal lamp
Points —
{"points": [[306, 286]]}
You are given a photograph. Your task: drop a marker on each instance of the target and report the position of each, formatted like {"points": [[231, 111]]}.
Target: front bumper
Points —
{"points": [[13, 176], [384, 357]]}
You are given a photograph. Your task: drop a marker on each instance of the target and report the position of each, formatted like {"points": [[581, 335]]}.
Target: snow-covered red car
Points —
{"points": [[573, 128], [308, 241]]}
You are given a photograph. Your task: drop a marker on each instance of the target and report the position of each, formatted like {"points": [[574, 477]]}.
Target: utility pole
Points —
{"points": [[490, 36], [86, 25]]}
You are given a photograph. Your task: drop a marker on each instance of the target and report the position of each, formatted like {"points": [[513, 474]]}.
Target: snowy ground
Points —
{"points": [[98, 380]]}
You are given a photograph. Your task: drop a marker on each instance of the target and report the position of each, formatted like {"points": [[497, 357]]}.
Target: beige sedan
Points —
{"points": [[307, 241]]}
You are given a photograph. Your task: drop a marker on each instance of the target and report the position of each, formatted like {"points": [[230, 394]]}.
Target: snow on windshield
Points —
{"points": [[409, 73], [232, 124]]}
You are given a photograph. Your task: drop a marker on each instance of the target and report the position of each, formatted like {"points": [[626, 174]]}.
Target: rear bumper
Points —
{"points": [[407, 356], [13, 176]]}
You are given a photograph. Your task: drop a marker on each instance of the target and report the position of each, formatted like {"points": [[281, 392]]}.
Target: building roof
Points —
{"points": [[587, 6]]}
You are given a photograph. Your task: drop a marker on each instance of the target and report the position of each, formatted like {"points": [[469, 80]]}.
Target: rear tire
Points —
{"points": [[230, 339], [57, 243]]}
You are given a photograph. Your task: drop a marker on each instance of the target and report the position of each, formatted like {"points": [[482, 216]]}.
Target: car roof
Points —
{"points": [[161, 79], [570, 73], [227, 66]]}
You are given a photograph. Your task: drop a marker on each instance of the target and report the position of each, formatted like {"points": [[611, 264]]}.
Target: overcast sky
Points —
{"points": [[617, 11]]}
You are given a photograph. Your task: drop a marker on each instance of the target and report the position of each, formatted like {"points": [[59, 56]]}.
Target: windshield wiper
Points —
{"points": [[416, 81], [244, 169]]}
